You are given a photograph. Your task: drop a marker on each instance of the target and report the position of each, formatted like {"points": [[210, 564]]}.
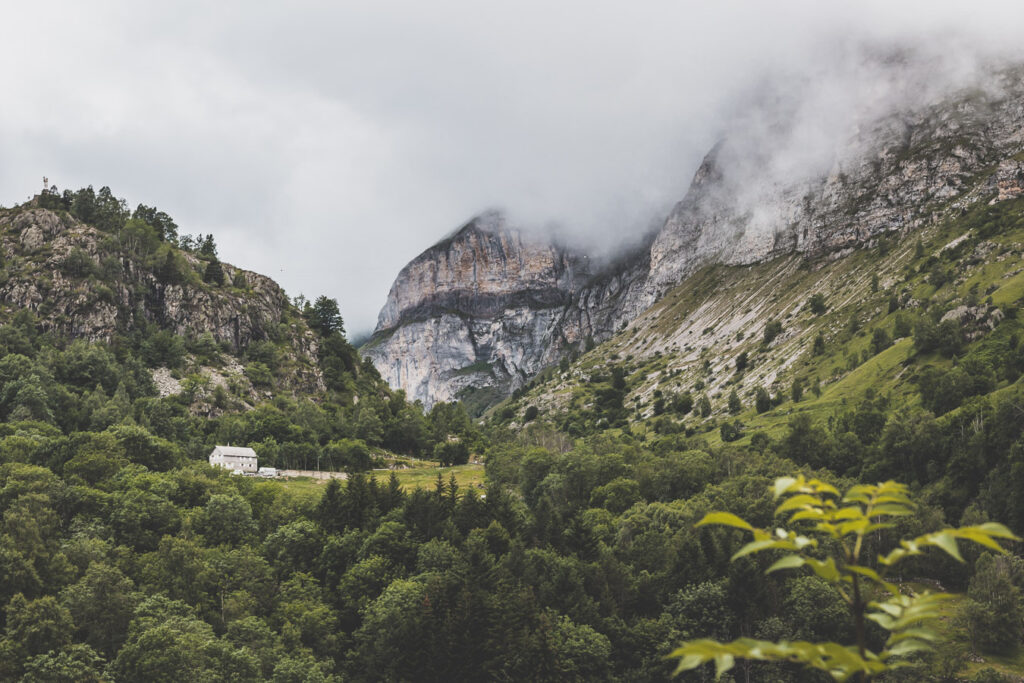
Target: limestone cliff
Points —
{"points": [[894, 174], [481, 312]]}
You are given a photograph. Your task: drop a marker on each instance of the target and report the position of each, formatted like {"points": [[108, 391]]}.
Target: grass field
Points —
{"points": [[424, 477], [423, 474], [1011, 665]]}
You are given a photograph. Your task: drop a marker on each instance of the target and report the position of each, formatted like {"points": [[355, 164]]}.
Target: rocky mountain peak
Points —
{"points": [[481, 268], [489, 307]]}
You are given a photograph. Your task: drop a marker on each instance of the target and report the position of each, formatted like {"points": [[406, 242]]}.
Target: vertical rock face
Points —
{"points": [[481, 312], [483, 268]]}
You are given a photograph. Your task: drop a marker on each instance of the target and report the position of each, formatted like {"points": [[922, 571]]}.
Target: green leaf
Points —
{"points": [[784, 484], [998, 530], [723, 663], [725, 519], [758, 546], [823, 488], [980, 537], [906, 647], [787, 562], [871, 574], [891, 510], [809, 513], [825, 569], [799, 501], [947, 541]]}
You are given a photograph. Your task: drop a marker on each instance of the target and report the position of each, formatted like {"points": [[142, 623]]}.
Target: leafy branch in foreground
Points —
{"points": [[828, 540]]}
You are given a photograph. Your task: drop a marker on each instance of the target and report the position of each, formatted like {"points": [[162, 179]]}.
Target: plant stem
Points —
{"points": [[858, 617]]}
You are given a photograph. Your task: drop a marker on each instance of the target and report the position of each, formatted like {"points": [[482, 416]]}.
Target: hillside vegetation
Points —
{"points": [[124, 557]]}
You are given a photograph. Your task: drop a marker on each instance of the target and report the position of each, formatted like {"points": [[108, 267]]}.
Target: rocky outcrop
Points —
{"points": [[487, 308], [894, 175], [86, 284]]}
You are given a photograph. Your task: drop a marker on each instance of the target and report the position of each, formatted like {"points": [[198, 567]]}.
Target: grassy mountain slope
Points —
{"points": [[966, 267]]}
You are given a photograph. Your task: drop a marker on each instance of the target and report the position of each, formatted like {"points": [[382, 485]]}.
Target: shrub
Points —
{"points": [[264, 352], [880, 340], [163, 349], [350, 455], [259, 374], [730, 431], [772, 330], [741, 362], [214, 273], [450, 453], [682, 403], [817, 304], [819, 345], [704, 406], [797, 391], [946, 337], [901, 326], [78, 264], [735, 405], [762, 400]]}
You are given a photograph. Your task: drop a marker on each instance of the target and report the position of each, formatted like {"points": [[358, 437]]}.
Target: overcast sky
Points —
{"points": [[327, 143]]}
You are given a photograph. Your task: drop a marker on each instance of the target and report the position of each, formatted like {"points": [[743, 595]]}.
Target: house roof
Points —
{"points": [[234, 450]]}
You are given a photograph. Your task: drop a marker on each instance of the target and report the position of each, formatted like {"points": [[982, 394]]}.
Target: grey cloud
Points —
{"points": [[326, 144]]}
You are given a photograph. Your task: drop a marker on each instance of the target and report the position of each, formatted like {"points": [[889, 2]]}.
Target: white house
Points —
{"points": [[234, 458]]}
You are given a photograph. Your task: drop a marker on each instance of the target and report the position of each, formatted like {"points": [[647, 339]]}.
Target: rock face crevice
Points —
{"points": [[487, 308]]}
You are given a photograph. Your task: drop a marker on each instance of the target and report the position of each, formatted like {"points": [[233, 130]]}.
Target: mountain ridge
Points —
{"points": [[894, 174]]}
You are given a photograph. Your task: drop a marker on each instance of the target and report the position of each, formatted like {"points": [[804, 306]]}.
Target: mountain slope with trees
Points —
{"points": [[124, 557]]}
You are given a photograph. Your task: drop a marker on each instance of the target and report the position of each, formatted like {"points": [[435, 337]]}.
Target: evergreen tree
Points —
{"points": [[214, 273], [819, 345], [325, 318], [797, 392], [762, 400], [741, 361], [704, 406], [735, 405]]}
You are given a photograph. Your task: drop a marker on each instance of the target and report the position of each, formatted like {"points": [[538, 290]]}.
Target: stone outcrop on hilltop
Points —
{"points": [[486, 309], [83, 283]]}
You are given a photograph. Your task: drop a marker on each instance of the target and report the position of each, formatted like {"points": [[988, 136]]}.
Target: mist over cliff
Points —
{"points": [[818, 167], [787, 125]]}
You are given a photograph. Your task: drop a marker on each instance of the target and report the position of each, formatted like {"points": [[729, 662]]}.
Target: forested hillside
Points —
{"points": [[125, 557], [899, 361]]}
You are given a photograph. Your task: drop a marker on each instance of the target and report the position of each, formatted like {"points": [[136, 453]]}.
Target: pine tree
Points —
{"points": [[735, 405], [169, 272], [762, 400], [704, 406], [819, 345], [214, 273], [325, 318], [798, 389], [329, 512]]}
